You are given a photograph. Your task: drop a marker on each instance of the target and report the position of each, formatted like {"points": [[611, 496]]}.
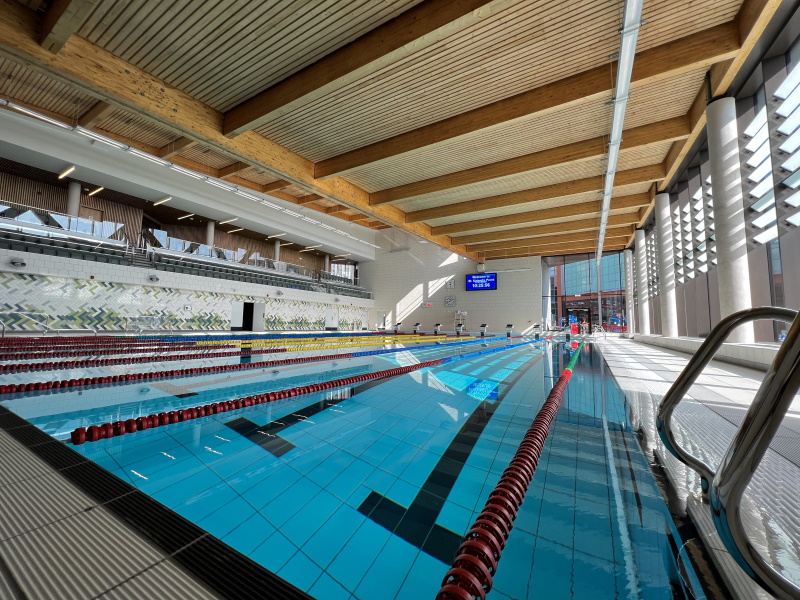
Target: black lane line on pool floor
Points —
{"points": [[417, 523], [267, 436]]}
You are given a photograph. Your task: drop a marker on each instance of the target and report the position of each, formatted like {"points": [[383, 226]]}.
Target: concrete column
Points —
{"points": [[547, 315], [74, 199], [327, 263], [210, 233], [643, 318], [629, 301], [277, 249], [729, 222], [666, 267]]}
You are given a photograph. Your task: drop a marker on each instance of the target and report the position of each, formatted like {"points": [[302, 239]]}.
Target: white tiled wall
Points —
{"points": [[408, 274]]}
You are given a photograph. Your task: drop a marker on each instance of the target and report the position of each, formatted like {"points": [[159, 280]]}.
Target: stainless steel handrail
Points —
{"points": [[749, 445], [692, 371]]}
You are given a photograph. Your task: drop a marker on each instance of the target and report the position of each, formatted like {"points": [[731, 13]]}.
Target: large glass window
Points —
{"points": [[574, 291]]}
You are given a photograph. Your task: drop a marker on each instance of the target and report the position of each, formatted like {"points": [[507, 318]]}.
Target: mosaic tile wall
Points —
{"points": [[102, 305]]}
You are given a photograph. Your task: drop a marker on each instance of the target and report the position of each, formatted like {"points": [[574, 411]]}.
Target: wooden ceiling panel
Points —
{"points": [[667, 19], [629, 159], [531, 45], [591, 119], [222, 53], [19, 83], [476, 219], [209, 157], [126, 125], [258, 176]]}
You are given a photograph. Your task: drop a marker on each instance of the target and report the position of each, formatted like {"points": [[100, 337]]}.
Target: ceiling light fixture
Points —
{"points": [[93, 192], [276, 235], [342, 255], [220, 184], [312, 247], [237, 229], [228, 220], [187, 172], [67, 172], [101, 138], [150, 157], [186, 216], [167, 199], [33, 113], [306, 250], [287, 243]]}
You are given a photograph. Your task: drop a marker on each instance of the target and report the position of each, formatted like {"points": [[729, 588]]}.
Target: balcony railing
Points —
{"points": [[21, 217]]}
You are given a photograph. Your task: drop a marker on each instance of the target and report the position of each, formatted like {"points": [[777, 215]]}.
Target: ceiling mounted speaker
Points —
{"points": [[481, 268]]}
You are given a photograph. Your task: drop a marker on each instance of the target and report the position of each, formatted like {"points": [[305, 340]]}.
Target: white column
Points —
{"points": [[277, 249], [629, 302], [327, 262], [643, 318], [210, 233], [666, 267], [73, 199], [546, 299], [729, 222]]}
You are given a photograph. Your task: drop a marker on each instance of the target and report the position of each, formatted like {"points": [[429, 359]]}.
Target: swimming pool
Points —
{"points": [[365, 491]]}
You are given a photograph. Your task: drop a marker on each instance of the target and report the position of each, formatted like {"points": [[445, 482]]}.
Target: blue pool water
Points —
{"points": [[364, 492]]}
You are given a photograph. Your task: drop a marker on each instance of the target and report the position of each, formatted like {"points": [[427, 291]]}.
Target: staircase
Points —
{"points": [[139, 258]]}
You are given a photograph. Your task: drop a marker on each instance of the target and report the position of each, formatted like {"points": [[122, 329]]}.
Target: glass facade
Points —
{"points": [[573, 292]]}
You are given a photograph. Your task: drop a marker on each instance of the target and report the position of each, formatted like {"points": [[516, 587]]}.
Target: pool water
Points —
{"points": [[366, 491]]}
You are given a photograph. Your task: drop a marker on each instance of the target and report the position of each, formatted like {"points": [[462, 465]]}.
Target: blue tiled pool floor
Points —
{"points": [[362, 493]]}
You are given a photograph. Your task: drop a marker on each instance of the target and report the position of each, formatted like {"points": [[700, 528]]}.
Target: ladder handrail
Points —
{"points": [[726, 486], [692, 371]]}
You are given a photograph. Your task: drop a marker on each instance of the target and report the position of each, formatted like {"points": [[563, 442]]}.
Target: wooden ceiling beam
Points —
{"points": [[95, 115], [231, 170], [176, 147], [309, 198], [674, 58], [547, 192], [274, 185], [336, 209], [564, 227], [637, 137], [594, 207], [359, 217], [95, 71], [62, 20], [576, 236], [566, 249], [410, 32], [751, 21]]}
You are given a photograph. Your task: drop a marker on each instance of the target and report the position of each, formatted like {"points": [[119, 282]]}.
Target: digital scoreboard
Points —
{"points": [[482, 281]]}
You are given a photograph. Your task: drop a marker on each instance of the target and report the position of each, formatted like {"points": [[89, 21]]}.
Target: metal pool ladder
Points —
{"points": [[724, 487]]}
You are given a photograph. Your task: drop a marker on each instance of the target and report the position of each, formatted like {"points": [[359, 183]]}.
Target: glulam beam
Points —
{"points": [[674, 58]]}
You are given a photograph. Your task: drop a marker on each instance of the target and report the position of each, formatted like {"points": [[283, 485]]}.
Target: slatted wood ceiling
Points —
{"points": [[225, 52], [17, 82], [534, 43], [135, 128], [661, 100], [629, 159], [623, 190]]}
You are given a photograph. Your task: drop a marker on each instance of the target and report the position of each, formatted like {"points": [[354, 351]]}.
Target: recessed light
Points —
{"points": [[93, 192], [312, 247], [67, 172], [235, 230], [342, 255], [286, 244], [167, 199], [186, 216], [276, 235], [229, 221]]}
